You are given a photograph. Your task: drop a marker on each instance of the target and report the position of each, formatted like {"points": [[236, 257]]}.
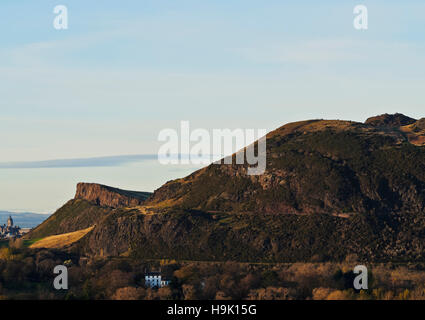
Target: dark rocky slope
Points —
{"points": [[257, 237]]}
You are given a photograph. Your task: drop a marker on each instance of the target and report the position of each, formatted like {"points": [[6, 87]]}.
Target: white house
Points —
{"points": [[154, 279]]}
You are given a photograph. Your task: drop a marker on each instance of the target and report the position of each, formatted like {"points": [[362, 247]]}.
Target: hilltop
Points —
{"points": [[316, 166]]}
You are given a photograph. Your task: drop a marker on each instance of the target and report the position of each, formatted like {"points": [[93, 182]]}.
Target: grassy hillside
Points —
{"points": [[74, 215], [62, 240]]}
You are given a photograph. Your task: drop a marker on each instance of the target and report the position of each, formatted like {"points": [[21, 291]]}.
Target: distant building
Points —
{"points": [[155, 280], [10, 222], [9, 230]]}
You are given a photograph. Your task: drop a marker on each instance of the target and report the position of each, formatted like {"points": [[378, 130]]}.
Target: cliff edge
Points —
{"points": [[106, 196]]}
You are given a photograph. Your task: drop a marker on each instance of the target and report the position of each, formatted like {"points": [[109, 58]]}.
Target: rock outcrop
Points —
{"points": [[110, 197], [390, 120]]}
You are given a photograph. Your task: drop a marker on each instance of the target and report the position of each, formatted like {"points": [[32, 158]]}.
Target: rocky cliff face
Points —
{"points": [[110, 197]]}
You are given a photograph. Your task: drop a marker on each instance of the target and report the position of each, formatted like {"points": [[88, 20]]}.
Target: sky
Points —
{"points": [[125, 70]]}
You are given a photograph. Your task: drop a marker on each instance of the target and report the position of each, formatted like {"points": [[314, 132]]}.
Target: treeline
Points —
{"points": [[28, 274]]}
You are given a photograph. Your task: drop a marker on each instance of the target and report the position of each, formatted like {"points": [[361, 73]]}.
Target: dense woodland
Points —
{"points": [[27, 274]]}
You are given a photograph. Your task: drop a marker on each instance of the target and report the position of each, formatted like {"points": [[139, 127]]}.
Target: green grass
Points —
{"points": [[28, 243]]}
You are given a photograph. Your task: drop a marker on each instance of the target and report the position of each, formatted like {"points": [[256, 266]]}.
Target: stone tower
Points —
{"points": [[10, 222]]}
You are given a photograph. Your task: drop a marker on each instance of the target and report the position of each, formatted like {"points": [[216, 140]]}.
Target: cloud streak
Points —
{"points": [[111, 161]]}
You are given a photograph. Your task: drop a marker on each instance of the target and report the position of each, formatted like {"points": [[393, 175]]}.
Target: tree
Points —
{"points": [[127, 293]]}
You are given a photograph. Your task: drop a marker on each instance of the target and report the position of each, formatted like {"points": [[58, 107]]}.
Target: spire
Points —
{"points": [[10, 222]]}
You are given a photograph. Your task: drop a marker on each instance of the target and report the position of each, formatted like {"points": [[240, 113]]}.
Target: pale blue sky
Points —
{"points": [[124, 70]]}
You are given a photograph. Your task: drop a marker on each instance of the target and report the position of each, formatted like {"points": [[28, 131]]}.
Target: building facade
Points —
{"points": [[9, 230], [155, 280]]}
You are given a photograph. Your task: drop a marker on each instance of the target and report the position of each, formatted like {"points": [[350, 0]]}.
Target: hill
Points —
{"points": [[331, 188], [76, 214], [92, 202], [318, 166]]}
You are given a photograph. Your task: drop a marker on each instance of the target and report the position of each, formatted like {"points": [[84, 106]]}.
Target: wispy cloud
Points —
{"points": [[110, 161]]}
